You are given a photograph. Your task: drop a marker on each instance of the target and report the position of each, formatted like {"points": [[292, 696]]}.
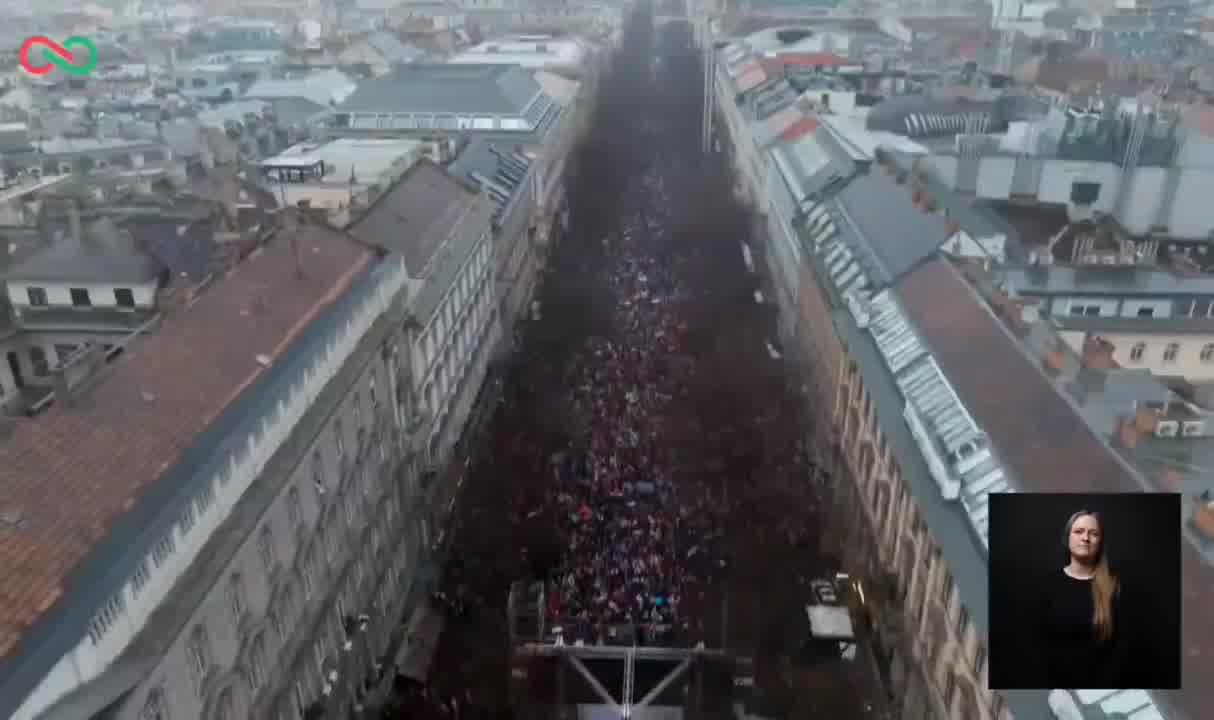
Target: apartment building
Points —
{"points": [[440, 226], [504, 105], [945, 389], [1153, 318], [236, 543]]}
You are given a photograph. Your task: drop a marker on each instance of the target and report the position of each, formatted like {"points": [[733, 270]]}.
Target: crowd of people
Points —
{"points": [[633, 547]]}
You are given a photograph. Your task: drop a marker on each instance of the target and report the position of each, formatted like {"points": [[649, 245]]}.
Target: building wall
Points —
{"points": [[1172, 197], [99, 295], [320, 432], [1190, 356], [930, 652], [937, 661], [316, 554], [449, 351]]}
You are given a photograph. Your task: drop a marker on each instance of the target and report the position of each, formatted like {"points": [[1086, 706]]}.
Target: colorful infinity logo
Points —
{"points": [[76, 56]]}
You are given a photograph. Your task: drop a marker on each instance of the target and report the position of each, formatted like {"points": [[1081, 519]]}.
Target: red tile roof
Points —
{"points": [[799, 129], [75, 470], [1201, 119], [1040, 438]]}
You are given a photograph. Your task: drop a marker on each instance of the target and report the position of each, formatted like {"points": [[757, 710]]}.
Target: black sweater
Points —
{"points": [[1073, 657]]}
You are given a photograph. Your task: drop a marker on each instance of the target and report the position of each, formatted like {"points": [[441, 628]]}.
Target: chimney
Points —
{"points": [[73, 220], [1171, 480], [1203, 517], [1098, 353], [1055, 359], [1146, 419], [1127, 433]]}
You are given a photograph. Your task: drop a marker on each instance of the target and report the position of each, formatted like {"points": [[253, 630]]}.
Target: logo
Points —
{"points": [[76, 56]]}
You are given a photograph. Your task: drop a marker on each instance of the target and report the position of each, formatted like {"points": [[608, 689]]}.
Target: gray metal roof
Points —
{"points": [[1104, 280], [924, 115], [458, 89], [455, 254], [392, 49], [499, 170], [416, 216], [898, 234], [102, 256]]}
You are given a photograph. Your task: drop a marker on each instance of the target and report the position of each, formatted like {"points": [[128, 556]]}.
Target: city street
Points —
{"points": [[649, 395]]}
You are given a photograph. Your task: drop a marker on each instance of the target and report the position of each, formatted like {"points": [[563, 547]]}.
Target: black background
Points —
{"points": [[1142, 538]]}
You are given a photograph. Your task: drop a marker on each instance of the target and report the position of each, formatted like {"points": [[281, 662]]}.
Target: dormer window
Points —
{"points": [[80, 298], [37, 296], [125, 297]]}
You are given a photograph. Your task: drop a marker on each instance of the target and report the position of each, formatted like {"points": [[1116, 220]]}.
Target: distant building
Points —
{"points": [[381, 51], [535, 52], [508, 107], [338, 176]]}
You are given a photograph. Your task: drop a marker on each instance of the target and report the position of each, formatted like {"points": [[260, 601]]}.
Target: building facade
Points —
{"points": [[506, 106], [885, 313], [231, 592]]}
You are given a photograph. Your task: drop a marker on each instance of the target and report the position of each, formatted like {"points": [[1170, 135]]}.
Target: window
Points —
{"points": [[1207, 353], [979, 661], [205, 498], [106, 617], [1146, 312], [358, 409], [257, 663], [37, 296], [963, 623], [301, 699], [265, 548], [1137, 352], [327, 541], [950, 689], [139, 579], [186, 520], [294, 507], [124, 297], [321, 651], [947, 598], [1170, 352], [306, 572], [1080, 310], [318, 480], [236, 597], [223, 708], [198, 653], [38, 358], [339, 433], [163, 549], [154, 708], [80, 297]]}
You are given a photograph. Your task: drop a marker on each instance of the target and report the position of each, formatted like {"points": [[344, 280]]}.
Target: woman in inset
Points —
{"points": [[1084, 624]]}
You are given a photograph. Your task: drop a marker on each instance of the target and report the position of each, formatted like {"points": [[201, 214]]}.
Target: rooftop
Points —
{"points": [[415, 217], [499, 171], [967, 399], [125, 449], [321, 88], [102, 254], [363, 159], [457, 89]]}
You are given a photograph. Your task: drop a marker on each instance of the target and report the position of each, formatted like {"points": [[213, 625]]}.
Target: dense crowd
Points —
{"points": [[632, 547]]}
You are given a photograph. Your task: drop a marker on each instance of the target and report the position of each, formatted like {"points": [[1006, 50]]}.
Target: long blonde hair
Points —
{"points": [[1104, 583]]}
